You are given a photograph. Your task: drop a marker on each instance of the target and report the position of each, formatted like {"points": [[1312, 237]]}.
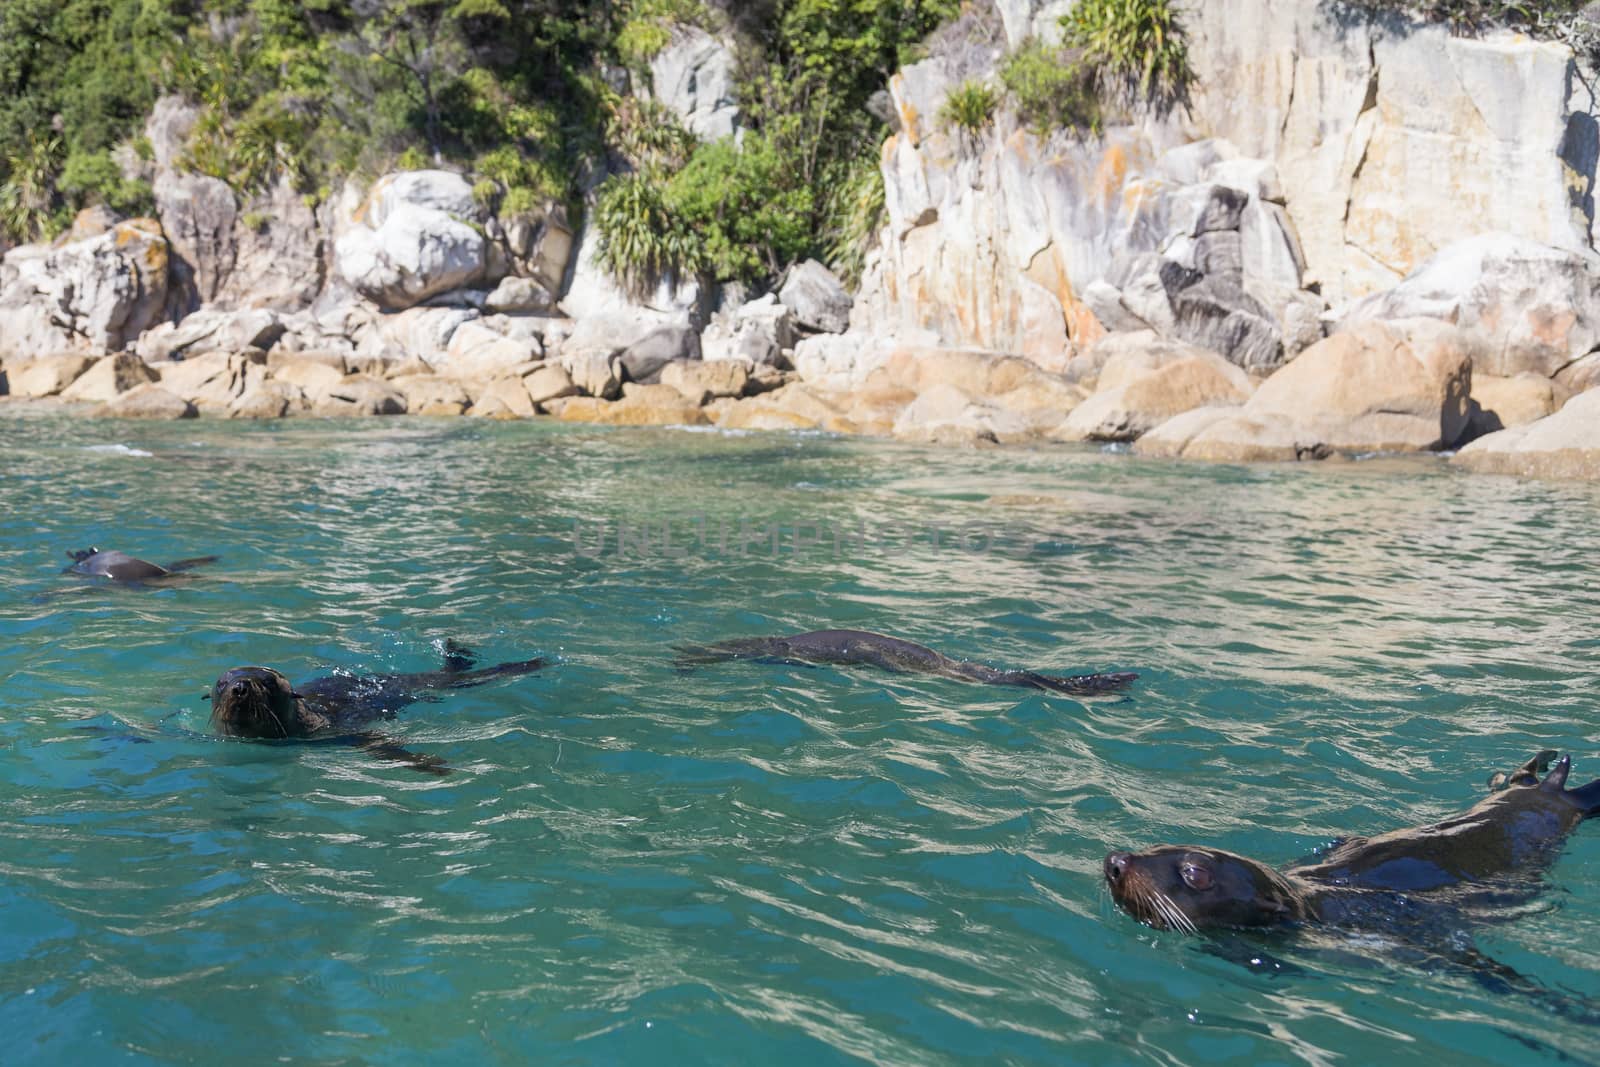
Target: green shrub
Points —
{"points": [[1137, 49], [27, 195], [856, 211], [413, 158], [749, 215], [642, 242], [89, 178], [1050, 90], [969, 107], [647, 133]]}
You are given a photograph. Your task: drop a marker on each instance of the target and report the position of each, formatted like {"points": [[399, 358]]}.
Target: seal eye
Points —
{"points": [[1195, 876]]}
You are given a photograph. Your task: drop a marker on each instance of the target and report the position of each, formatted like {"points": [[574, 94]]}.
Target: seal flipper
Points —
{"points": [[189, 564], [1247, 954], [381, 747], [1527, 774], [1077, 683]]}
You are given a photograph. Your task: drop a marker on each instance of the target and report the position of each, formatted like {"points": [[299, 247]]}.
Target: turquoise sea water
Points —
{"points": [[757, 863]]}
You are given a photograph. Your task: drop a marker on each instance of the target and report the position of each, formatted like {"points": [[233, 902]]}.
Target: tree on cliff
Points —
{"points": [[425, 41]]}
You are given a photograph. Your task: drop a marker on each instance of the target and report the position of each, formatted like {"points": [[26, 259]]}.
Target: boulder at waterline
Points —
{"points": [[1140, 390], [1563, 445], [269, 400], [46, 375], [358, 394], [109, 377], [1381, 387], [1500, 403], [148, 401], [1536, 308]]}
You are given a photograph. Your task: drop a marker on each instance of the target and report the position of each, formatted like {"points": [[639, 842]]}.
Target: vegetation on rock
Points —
{"points": [[1560, 20], [1050, 90], [969, 107], [1137, 49]]}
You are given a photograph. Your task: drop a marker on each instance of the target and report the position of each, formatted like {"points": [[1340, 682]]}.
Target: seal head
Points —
{"points": [[258, 702], [1187, 888]]}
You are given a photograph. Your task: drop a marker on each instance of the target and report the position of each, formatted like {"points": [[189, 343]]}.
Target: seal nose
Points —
{"points": [[241, 688], [1116, 866]]}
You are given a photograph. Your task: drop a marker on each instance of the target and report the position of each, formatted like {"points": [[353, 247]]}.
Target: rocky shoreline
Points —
{"points": [[1259, 277]]}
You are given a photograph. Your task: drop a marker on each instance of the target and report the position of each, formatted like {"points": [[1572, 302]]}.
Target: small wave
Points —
{"points": [[119, 450]]}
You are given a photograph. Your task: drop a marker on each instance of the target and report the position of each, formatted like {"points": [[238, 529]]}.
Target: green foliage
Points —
{"points": [[515, 91], [1050, 90], [647, 27], [1561, 20], [855, 213], [647, 133], [1137, 49], [642, 241], [26, 195], [969, 107], [89, 178], [750, 217]]}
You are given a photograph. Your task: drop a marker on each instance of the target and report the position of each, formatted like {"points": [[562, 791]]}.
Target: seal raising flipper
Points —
{"points": [[857, 647], [259, 702], [121, 567], [1417, 887], [1493, 853]]}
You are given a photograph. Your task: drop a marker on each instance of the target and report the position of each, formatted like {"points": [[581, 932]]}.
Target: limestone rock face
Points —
{"points": [[1563, 445], [694, 75], [1395, 139], [279, 258], [1038, 249], [1537, 308], [95, 294], [411, 240], [197, 215], [818, 301]]}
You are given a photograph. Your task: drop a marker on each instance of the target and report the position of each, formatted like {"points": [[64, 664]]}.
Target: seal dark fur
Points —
{"points": [[1488, 857], [849, 648], [259, 702], [121, 567]]}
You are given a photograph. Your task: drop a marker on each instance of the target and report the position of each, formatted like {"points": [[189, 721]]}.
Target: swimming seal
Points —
{"points": [[848, 648], [259, 702], [1488, 857], [121, 567]]}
